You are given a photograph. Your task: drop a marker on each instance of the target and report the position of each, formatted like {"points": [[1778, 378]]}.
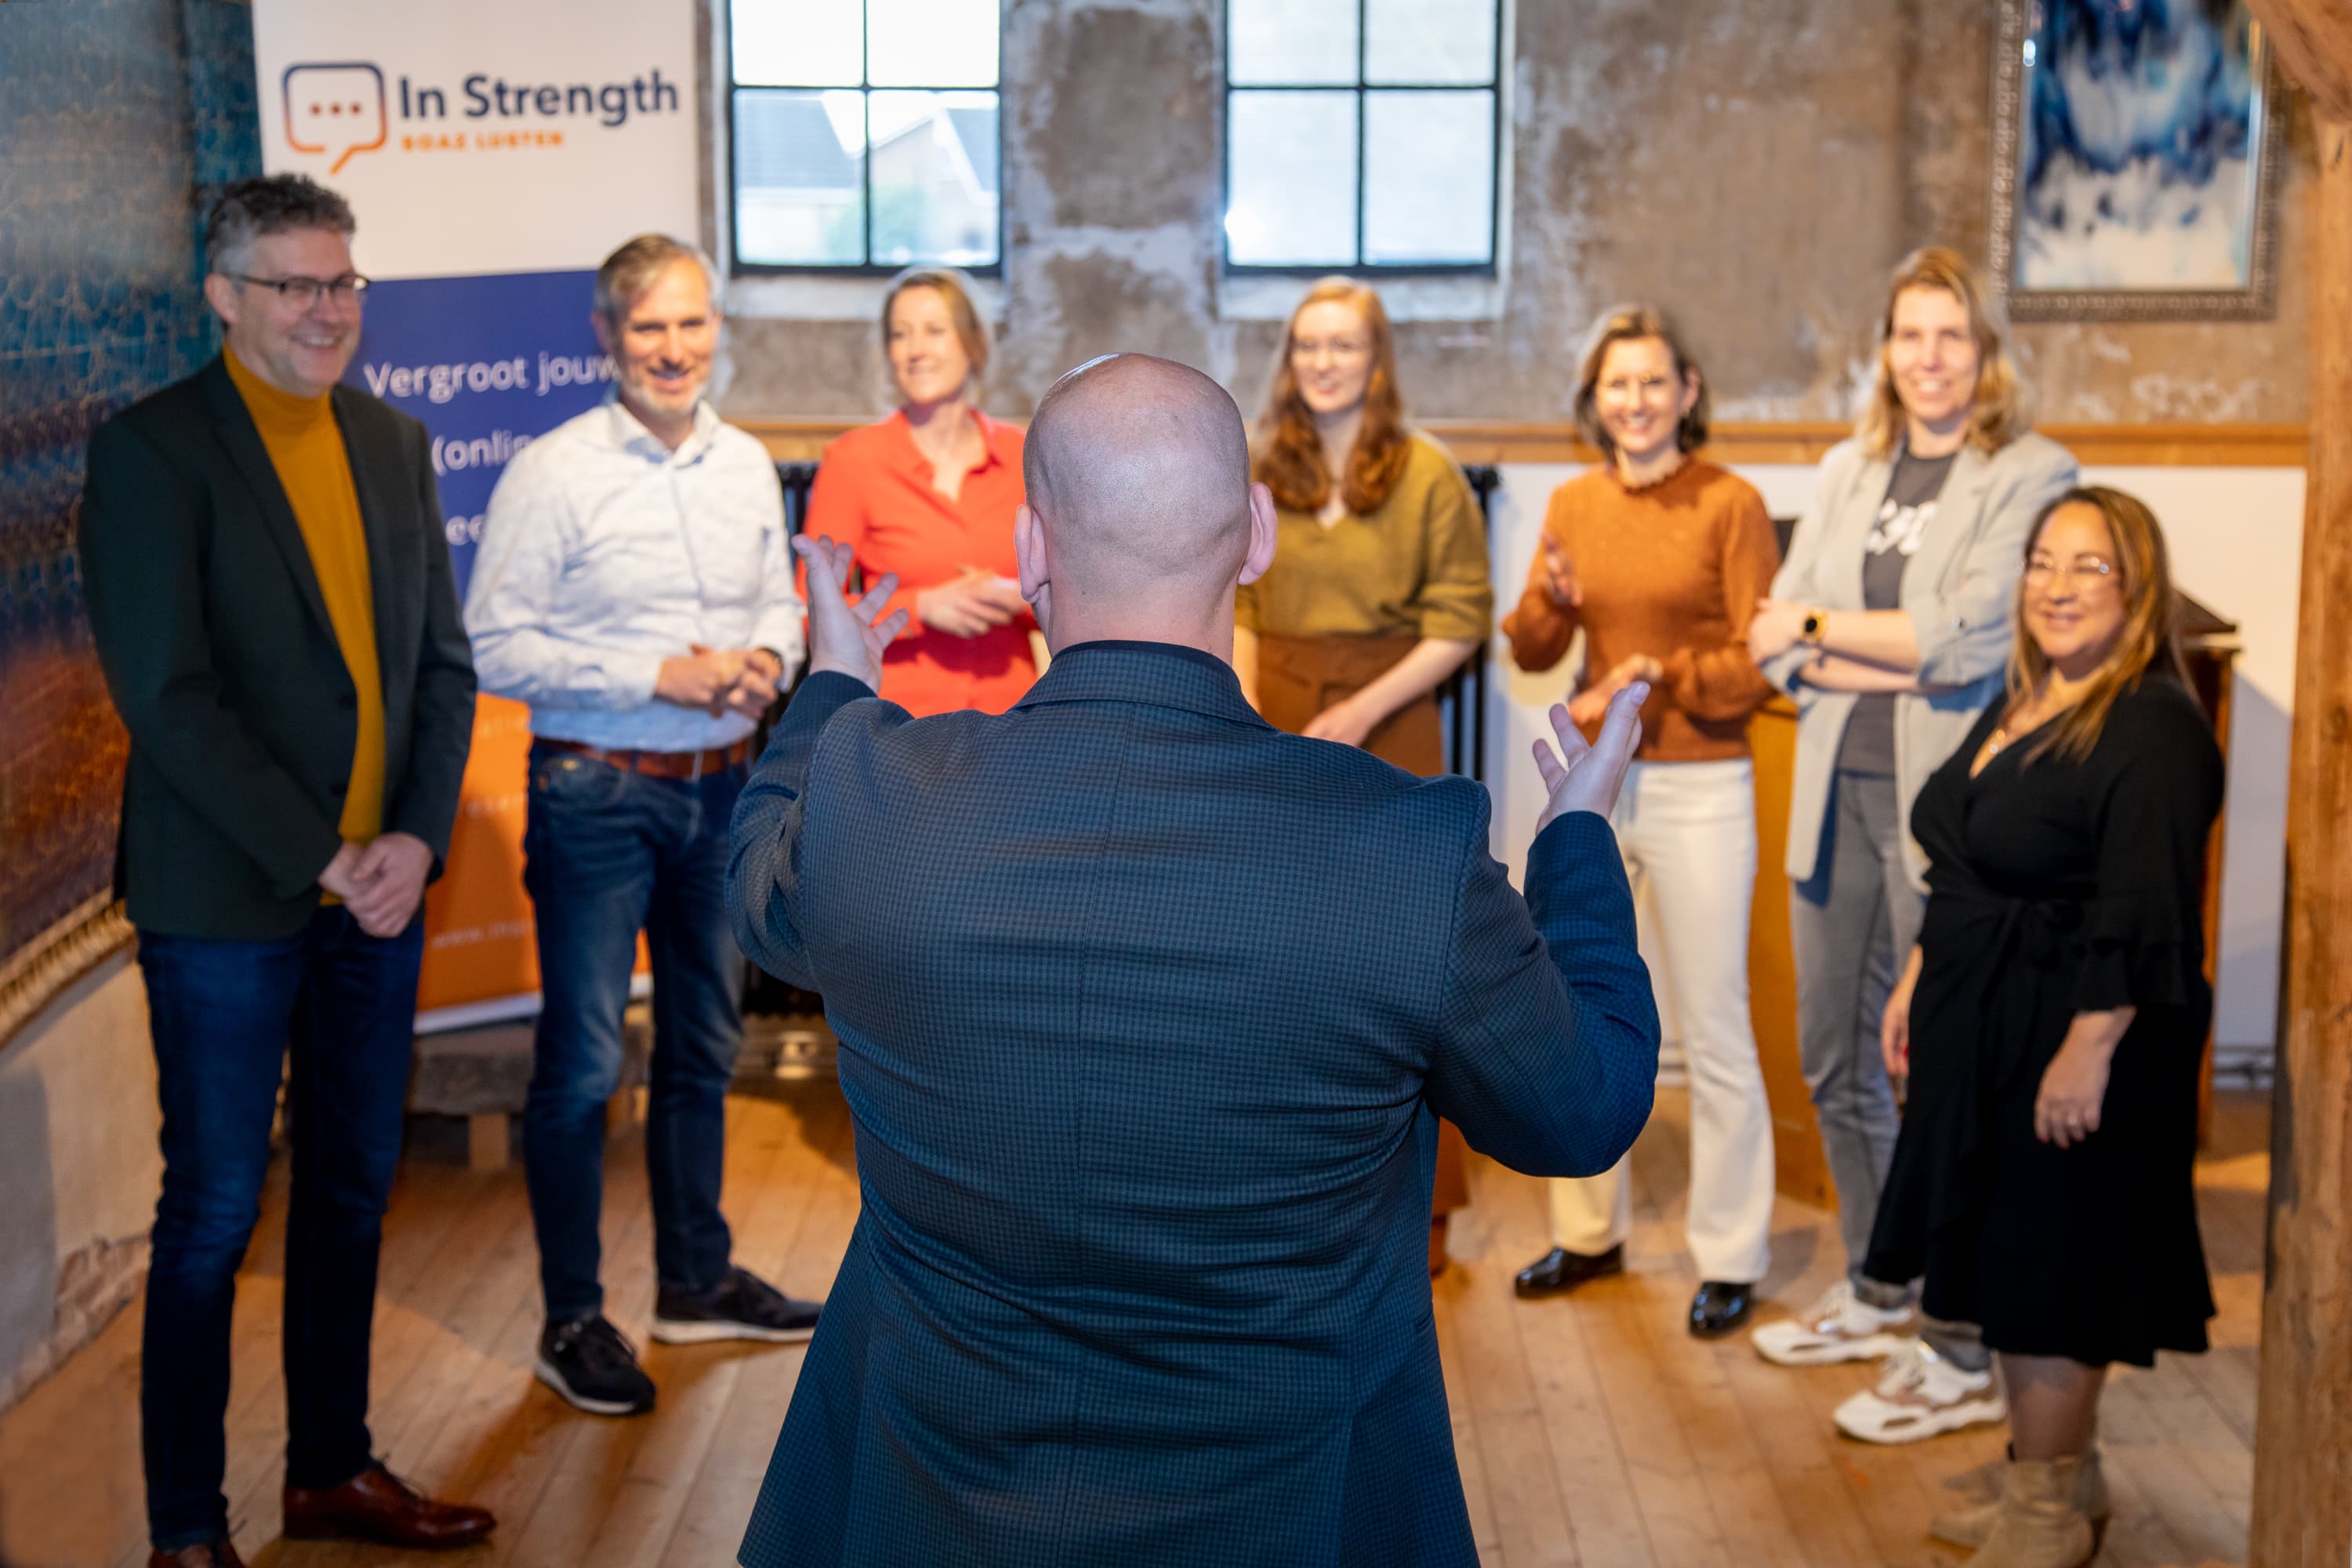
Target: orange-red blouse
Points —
{"points": [[873, 493]]}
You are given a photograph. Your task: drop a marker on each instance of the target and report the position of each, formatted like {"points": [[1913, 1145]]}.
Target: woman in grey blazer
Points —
{"points": [[1889, 624]]}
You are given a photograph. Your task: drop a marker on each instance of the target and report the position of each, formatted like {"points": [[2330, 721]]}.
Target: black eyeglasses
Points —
{"points": [[303, 292]]}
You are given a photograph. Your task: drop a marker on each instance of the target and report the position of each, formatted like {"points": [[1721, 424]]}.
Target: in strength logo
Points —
{"points": [[334, 108]]}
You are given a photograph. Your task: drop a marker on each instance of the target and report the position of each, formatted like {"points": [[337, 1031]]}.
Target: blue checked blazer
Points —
{"points": [[1144, 1006]]}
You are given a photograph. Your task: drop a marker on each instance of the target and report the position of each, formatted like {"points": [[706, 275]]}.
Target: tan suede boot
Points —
{"points": [[1969, 1526], [2039, 1525]]}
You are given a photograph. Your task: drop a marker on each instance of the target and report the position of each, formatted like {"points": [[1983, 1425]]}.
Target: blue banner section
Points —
{"points": [[489, 364]]}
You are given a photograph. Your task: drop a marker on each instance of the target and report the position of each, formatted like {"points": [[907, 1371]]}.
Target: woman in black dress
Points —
{"points": [[2053, 1014]]}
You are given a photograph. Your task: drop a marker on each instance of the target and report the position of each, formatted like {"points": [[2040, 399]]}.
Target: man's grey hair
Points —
{"points": [[630, 271], [274, 204]]}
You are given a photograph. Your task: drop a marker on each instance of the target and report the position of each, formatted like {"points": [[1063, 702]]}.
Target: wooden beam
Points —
{"points": [[801, 439], [2314, 39], [2302, 1450]]}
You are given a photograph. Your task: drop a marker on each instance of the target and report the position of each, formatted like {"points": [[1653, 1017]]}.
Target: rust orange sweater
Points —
{"points": [[306, 446], [1673, 571]]}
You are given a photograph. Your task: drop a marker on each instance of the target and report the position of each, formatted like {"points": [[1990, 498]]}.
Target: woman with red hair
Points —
{"points": [[1379, 589]]}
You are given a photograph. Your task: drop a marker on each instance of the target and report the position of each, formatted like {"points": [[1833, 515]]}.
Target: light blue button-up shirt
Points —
{"points": [[605, 553]]}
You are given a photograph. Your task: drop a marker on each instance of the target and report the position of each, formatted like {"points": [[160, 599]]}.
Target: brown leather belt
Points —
{"points": [[688, 765]]}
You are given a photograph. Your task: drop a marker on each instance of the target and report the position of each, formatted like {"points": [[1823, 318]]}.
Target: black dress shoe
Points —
{"points": [[1720, 1306], [1559, 1270]]}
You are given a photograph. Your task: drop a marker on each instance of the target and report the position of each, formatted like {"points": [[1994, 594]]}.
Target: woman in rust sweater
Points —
{"points": [[1660, 559]]}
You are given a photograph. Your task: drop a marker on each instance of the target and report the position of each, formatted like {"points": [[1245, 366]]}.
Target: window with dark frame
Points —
{"points": [[865, 135], [1362, 136]]}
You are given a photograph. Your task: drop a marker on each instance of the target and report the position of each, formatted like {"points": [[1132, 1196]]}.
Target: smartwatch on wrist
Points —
{"points": [[1809, 634]]}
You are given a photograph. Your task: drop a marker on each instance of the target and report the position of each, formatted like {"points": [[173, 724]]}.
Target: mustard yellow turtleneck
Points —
{"points": [[306, 446]]}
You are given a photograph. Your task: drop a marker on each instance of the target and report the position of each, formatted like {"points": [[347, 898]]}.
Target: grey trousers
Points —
{"points": [[1852, 925]]}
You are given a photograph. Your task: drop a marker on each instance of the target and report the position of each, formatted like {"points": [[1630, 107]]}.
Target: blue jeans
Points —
{"points": [[608, 853], [334, 1010]]}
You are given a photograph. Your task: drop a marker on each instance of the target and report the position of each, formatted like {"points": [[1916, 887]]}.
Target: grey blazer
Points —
{"points": [[1958, 592]]}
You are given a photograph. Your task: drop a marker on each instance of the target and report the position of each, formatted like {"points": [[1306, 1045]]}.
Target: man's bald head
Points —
{"points": [[1140, 470]]}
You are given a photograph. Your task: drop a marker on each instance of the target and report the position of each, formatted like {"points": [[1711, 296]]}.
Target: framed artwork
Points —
{"points": [[2136, 153]]}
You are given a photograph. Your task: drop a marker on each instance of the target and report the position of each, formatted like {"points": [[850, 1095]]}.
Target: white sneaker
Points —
{"points": [[1919, 1395], [1841, 1326]]}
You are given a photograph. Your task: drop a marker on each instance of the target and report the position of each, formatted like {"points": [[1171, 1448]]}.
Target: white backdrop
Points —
{"points": [[2236, 536], [561, 127]]}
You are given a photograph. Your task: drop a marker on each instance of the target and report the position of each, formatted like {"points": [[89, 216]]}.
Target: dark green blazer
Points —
{"points": [[217, 651]]}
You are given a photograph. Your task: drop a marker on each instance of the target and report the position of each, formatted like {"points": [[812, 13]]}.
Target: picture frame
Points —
{"points": [[2135, 156]]}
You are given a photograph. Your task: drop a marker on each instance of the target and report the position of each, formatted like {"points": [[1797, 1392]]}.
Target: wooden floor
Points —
{"points": [[1591, 1431]]}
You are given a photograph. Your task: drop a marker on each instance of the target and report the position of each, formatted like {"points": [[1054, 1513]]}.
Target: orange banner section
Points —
{"points": [[477, 926]]}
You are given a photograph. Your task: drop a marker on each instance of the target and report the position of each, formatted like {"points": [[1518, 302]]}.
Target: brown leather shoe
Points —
{"points": [[203, 1554], [376, 1505]]}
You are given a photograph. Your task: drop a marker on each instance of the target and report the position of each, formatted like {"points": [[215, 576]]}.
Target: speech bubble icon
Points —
{"points": [[336, 108]]}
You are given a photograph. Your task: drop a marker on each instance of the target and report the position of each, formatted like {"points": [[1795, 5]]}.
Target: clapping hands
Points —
{"points": [[1560, 582], [1587, 706]]}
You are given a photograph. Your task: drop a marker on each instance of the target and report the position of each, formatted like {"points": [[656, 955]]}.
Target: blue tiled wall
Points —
{"points": [[117, 116]]}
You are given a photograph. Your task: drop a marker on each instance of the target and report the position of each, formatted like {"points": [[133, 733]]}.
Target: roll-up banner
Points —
{"points": [[493, 155]]}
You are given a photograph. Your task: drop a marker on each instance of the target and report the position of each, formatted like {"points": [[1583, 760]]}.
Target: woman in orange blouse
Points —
{"points": [[1660, 559], [930, 493]]}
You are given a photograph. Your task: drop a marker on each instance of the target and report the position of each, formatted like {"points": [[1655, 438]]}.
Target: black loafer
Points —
{"points": [[1720, 1308], [1559, 1270]]}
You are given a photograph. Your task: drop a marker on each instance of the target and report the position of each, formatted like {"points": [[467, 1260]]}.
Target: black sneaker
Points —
{"points": [[588, 1361], [741, 1306]]}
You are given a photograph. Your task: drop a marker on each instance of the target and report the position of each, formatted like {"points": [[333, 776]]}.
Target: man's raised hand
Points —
{"points": [[1580, 778], [843, 637]]}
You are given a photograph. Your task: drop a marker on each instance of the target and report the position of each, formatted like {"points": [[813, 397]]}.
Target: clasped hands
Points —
{"points": [[382, 882], [968, 605], [720, 681]]}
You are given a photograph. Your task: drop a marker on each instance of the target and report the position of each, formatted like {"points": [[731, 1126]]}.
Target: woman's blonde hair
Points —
{"points": [[971, 326], [1631, 324], [2149, 640], [1997, 411], [1289, 454]]}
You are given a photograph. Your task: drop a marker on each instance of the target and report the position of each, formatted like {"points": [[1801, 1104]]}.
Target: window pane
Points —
{"points": [[935, 189], [1428, 40], [1292, 159], [930, 43], [1429, 177], [1285, 41], [799, 184], [800, 43]]}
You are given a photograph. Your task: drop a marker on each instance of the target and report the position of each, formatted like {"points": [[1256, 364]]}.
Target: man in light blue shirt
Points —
{"points": [[635, 587]]}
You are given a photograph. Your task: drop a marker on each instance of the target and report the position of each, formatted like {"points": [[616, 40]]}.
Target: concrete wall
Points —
{"points": [[1755, 165], [78, 1170]]}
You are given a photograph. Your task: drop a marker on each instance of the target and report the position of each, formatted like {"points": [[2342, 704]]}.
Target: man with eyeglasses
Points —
{"points": [[270, 594]]}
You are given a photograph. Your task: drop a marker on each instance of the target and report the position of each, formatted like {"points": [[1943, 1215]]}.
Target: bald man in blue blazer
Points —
{"points": [[1146, 1013]]}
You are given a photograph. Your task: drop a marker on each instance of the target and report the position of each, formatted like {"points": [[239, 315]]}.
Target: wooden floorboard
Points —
{"points": [[1591, 1431]]}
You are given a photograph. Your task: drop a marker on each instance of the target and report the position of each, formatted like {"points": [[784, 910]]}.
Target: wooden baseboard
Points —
{"points": [[802, 438]]}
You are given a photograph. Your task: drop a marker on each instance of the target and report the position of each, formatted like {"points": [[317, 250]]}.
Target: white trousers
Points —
{"points": [[1688, 831]]}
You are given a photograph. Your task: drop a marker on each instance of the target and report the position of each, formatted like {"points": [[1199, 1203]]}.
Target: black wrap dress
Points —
{"points": [[2058, 888]]}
